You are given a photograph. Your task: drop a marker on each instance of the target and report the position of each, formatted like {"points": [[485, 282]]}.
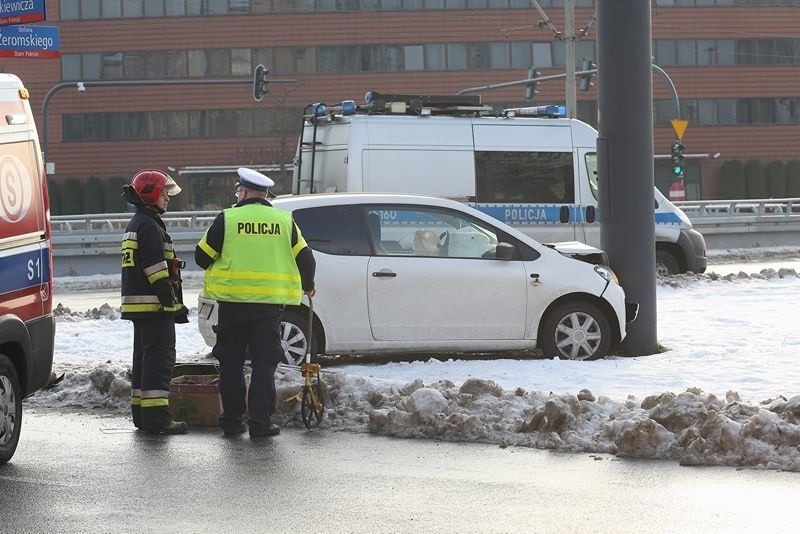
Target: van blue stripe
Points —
{"points": [[527, 214], [26, 269], [667, 218]]}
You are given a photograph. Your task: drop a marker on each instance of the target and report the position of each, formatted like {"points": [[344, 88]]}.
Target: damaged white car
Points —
{"points": [[410, 273]]}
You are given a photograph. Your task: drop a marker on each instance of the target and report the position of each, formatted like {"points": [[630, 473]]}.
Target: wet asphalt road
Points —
{"points": [[79, 472]]}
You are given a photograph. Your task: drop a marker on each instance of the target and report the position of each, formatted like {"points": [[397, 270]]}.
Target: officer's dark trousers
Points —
{"points": [[153, 361], [246, 330]]}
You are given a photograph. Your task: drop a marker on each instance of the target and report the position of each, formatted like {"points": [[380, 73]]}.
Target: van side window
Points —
{"points": [[337, 230], [591, 171], [525, 177]]}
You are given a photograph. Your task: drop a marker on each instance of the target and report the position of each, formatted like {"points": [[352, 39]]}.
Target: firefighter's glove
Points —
{"points": [[182, 315], [165, 292]]}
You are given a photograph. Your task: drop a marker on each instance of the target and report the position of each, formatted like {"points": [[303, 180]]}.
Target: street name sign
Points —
{"points": [[30, 42], [21, 11]]}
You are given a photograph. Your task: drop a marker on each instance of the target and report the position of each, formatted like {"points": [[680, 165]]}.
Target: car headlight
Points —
{"points": [[606, 273]]}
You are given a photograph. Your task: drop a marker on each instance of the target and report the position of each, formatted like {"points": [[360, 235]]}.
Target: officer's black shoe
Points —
{"points": [[173, 427], [235, 430], [264, 431]]}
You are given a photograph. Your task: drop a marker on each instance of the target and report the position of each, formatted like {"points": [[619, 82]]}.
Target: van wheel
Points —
{"points": [[10, 409], [294, 338], [666, 264], [576, 331]]}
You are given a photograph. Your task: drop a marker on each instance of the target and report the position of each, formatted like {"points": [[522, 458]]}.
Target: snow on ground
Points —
{"points": [[726, 391]]}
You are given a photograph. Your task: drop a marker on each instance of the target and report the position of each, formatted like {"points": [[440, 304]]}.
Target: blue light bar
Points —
{"points": [[550, 110], [348, 107], [318, 110]]}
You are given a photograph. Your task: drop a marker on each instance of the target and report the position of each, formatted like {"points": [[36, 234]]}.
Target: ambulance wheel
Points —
{"points": [[576, 330], [10, 409], [294, 338], [666, 263]]}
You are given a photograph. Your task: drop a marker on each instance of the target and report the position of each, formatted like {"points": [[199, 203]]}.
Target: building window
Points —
{"points": [[224, 123]]}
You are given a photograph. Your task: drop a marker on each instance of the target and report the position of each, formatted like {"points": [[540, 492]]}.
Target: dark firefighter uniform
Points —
{"points": [[149, 299], [256, 262]]}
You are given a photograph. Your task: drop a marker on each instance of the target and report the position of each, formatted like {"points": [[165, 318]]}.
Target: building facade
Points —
{"points": [[735, 65]]}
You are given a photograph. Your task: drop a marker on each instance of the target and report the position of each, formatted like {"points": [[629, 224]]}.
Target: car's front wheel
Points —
{"points": [[576, 330], [10, 409], [294, 337]]}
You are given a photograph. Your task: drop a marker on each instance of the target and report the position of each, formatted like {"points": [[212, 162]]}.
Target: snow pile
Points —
{"points": [[693, 427], [105, 386]]}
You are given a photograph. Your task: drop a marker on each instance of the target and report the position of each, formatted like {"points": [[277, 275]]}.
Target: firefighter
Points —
{"points": [[151, 299], [256, 262]]}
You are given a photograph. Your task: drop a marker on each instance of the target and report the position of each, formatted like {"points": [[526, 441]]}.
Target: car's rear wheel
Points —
{"points": [[10, 409], [294, 338], [576, 330]]}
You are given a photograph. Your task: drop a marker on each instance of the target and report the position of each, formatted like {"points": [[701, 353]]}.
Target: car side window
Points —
{"points": [[337, 230], [429, 232]]}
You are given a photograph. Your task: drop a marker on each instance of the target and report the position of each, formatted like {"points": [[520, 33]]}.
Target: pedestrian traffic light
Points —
{"points": [[260, 82], [677, 158], [586, 79], [530, 87]]}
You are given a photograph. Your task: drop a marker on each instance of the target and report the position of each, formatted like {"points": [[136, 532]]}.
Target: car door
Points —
{"points": [[434, 278]]}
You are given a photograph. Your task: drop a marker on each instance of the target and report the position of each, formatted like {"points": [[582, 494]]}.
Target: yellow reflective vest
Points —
{"points": [[257, 261]]}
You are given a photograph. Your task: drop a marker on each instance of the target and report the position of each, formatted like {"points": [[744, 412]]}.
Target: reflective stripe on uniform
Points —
{"points": [[155, 403], [205, 247], [253, 290], [136, 397], [155, 398], [138, 299], [155, 268], [154, 393]]}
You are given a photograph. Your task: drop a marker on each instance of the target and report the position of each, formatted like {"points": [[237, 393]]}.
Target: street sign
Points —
{"points": [[21, 11], [679, 125], [29, 42]]}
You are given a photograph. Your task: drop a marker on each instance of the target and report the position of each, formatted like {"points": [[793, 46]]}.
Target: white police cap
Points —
{"points": [[253, 179]]}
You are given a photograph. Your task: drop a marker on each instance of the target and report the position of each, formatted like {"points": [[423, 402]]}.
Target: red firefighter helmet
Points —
{"points": [[149, 184]]}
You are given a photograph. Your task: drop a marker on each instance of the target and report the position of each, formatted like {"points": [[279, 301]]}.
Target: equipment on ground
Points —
{"points": [[312, 403]]}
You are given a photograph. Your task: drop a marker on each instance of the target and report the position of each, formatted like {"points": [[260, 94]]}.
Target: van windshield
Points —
{"points": [[591, 171]]}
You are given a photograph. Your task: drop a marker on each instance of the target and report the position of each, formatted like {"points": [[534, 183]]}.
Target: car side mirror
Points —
{"points": [[590, 214], [505, 251]]}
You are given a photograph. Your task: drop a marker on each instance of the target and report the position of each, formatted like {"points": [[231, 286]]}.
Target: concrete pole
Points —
{"points": [[571, 99], [625, 160]]}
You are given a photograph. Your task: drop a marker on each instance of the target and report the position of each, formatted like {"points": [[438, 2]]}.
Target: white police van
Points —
{"points": [[537, 173], [27, 327]]}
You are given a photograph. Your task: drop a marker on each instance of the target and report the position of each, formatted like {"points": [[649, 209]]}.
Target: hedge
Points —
{"points": [[72, 197], [730, 179]]}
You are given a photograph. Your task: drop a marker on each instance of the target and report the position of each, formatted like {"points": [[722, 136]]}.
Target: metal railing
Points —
{"points": [[767, 209]]}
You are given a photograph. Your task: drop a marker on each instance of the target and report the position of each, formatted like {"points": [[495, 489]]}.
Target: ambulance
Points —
{"points": [[27, 327], [530, 168]]}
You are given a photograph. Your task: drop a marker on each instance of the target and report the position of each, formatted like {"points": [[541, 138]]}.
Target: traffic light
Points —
{"points": [[586, 79], [260, 82], [677, 158], [530, 87]]}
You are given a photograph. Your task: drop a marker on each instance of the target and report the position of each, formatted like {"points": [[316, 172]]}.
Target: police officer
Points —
{"points": [[150, 278], [256, 262]]}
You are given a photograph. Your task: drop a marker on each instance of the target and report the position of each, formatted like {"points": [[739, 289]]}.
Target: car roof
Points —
{"points": [[293, 202]]}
